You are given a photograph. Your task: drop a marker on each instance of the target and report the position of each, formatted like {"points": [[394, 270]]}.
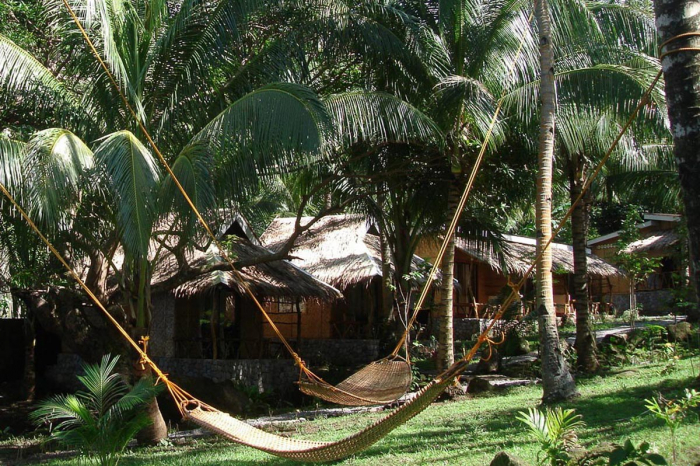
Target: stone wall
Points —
{"points": [[266, 375], [61, 376], [652, 302], [339, 352]]}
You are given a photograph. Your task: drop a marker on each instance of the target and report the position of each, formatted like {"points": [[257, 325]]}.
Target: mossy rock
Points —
{"points": [[516, 344], [506, 459], [680, 331]]}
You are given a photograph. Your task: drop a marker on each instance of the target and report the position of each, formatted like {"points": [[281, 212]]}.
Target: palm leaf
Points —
{"points": [[55, 162], [193, 168], [11, 162], [23, 78], [133, 176], [375, 117]]}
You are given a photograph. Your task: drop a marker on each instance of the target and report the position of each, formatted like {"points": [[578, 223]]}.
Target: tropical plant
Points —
{"points": [[681, 81], [555, 430], [672, 412], [101, 420]]}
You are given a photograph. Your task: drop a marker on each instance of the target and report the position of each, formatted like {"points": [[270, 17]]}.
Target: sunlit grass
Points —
{"points": [[472, 431]]}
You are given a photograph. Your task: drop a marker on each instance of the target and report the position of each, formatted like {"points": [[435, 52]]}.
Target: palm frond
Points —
{"points": [[193, 168], [375, 117], [266, 130], [11, 173], [24, 79], [133, 176], [55, 162], [104, 387]]}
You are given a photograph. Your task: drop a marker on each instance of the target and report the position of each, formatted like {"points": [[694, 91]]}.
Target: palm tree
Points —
{"points": [[682, 92], [109, 193]]}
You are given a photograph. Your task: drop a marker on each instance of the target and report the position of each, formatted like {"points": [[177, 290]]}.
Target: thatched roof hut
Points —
{"points": [[277, 279], [519, 252], [657, 243], [338, 249], [270, 279]]}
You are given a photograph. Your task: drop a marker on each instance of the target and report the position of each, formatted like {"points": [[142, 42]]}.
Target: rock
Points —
{"points": [[680, 331], [515, 344], [491, 365], [614, 339], [478, 385], [506, 459], [520, 366]]}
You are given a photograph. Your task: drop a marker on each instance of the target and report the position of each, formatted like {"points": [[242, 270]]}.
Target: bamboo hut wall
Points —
{"points": [[315, 321]]}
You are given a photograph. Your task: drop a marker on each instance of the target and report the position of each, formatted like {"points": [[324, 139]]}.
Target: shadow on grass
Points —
{"points": [[608, 416]]}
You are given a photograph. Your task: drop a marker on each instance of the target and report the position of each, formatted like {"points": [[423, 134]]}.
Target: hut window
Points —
{"points": [[285, 306]]}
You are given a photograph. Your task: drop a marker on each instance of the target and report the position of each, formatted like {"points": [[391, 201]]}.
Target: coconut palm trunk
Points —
{"points": [[557, 382], [585, 342], [446, 353], [682, 78]]}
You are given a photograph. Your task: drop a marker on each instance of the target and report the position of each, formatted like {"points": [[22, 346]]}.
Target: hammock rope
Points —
{"points": [[301, 450]]}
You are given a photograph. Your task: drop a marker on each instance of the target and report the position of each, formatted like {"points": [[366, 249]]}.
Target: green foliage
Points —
{"points": [[672, 412], [100, 421], [629, 455], [555, 431]]}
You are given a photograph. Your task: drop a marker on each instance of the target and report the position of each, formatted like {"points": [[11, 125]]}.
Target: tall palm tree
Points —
{"points": [[683, 95]]}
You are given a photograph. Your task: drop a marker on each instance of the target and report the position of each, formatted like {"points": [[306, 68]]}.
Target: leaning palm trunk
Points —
{"points": [[446, 354], [585, 342], [556, 378], [682, 77]]}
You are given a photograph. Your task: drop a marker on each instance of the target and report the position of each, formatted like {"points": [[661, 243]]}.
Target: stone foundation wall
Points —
{"points": [[62, 375], [652, 302], [339, 352], [267, 375]]}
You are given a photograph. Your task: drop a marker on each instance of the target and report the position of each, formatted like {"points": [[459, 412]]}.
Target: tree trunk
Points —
{"points": [[682, 77], [445, 349], [585, 342], [157, 430], [29, 377], [556, 378], [387, 278]]}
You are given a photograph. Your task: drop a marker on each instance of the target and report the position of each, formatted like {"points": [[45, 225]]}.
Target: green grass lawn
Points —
{"points": [[472, 431]]}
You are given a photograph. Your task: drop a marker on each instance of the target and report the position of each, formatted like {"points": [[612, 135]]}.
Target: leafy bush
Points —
{"points": [[626, 455], [100, 421], [673, 411], [555, 431]]}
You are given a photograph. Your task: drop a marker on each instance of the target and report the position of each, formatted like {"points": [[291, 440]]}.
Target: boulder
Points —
{"points": [[491, 365], [515, 344], [478, 385], [680, 331], [506, 459]]}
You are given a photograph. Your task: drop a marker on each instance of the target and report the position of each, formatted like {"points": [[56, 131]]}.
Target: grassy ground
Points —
{"points": [[472, 431]]}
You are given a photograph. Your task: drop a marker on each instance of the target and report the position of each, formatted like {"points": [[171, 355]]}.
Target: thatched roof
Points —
{"points": [[278, 278], [519, 252], [272, 279], [659, 242], [337, 249]]}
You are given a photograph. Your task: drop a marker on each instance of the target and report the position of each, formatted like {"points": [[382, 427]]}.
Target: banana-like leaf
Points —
{"points": [[55, 162], [133, 176]]}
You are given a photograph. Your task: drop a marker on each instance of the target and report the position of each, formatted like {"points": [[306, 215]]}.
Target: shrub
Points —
{"points": [[100, 421], [555, 430]]}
